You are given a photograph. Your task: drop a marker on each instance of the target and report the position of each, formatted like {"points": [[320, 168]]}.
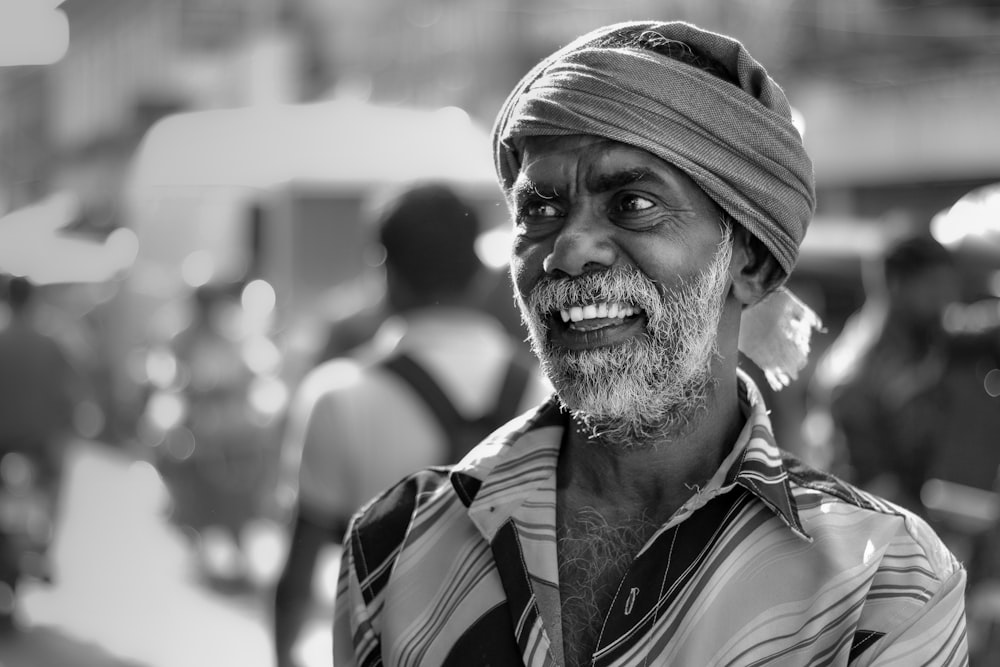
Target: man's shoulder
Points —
{"points": [[830, 505], [341, 376], [331, 374], [393, 508], [379, 529], [809, 481], [381, 525]]}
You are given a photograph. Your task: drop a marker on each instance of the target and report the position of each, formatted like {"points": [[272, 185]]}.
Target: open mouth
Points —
{"points": [[597, 315], [596, 324]]}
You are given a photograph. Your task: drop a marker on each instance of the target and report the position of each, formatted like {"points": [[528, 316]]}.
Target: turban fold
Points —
{"points": [[737, 143]]}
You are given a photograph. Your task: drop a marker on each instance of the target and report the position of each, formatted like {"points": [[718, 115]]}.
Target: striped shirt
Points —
{"points": [[771, 563]]}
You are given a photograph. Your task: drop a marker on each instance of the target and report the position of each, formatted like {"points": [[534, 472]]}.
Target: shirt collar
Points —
{"points": [[757, 464], [509, 466], [497, 476]]}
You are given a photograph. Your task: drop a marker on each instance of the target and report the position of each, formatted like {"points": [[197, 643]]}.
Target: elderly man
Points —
{"points": [[645, 515]]}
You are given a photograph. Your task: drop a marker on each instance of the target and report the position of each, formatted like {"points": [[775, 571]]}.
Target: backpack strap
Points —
{"points": [[457, 428], [433, 396]]}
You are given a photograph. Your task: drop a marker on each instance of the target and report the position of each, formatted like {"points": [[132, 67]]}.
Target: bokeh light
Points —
{"points": [[198, 268]]}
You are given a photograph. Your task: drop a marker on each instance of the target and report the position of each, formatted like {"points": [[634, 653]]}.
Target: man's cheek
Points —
{"points": [[523, 283]]}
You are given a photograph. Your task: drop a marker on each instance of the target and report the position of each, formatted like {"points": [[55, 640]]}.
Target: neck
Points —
{"points": [[660, 473], [658, 476]]}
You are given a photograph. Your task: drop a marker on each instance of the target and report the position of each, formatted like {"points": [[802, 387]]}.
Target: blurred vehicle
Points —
{"points": [[280, 194], [275, 199]]}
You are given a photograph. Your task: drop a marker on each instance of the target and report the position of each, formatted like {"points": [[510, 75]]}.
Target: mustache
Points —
{"points": [[621, 284]]}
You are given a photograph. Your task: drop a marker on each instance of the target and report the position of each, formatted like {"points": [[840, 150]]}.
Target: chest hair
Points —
{"points": [[593, 556]]}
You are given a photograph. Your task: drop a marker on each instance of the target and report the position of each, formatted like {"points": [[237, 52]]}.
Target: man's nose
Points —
{"points": [[583, 245]]}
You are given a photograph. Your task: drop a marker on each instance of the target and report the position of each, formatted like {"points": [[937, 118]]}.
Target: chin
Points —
{"points": [[629, 409]]}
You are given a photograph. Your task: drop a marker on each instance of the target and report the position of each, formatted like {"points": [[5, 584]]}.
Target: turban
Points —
{"points": [[737, 142]]}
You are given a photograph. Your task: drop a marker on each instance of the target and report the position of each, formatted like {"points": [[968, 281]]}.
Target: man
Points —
{"points": [[883, 378], [39, 384], [40, 389], [357, 425], [644, 515]]}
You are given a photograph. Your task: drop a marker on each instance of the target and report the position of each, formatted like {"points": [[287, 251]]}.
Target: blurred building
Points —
{"points": [[900, 100], [898, 95], [129, 63], [71, 128], [470, 53], [25, 148]]}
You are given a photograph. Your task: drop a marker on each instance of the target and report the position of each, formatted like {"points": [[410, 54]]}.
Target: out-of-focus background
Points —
{"points": [[183, 183]]}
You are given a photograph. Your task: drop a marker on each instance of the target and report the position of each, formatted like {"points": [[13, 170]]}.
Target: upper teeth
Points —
{"points": [[595, 310]]}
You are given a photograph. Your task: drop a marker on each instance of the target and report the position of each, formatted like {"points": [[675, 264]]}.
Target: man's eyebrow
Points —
{"points": [[618, 179], [524, 188]]}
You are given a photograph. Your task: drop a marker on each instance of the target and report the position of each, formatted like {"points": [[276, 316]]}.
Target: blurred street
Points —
{"points": [[127, 593]]}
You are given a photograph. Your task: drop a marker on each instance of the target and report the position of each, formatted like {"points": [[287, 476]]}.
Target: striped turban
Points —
{"points": [[737, 142]]}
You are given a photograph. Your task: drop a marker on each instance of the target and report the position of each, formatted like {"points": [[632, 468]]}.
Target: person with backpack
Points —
{"points": [[437, 377]]}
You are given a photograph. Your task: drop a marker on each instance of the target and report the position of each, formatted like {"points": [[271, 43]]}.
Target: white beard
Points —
{"points": [[652, 385]]}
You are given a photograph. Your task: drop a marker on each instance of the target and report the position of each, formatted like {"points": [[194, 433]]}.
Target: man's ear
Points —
{"points": [[754, 270]]}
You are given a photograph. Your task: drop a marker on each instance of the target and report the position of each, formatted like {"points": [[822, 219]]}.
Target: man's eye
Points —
{"points": [[539, 209], [633, 203]]}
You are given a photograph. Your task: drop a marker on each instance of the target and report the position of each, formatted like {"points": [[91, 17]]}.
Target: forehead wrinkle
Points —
{"points": [[597, 182], [601, 182]]}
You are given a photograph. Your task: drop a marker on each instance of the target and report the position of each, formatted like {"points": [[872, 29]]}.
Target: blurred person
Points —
{"points": [[645, 514], [40, 388], [39, 383], [438, 369], [491, 293], [882, 379], [213, 461], [348, 333]]}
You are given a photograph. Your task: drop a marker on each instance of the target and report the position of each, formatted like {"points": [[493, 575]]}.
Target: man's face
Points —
{"points": [[620, 265]]}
